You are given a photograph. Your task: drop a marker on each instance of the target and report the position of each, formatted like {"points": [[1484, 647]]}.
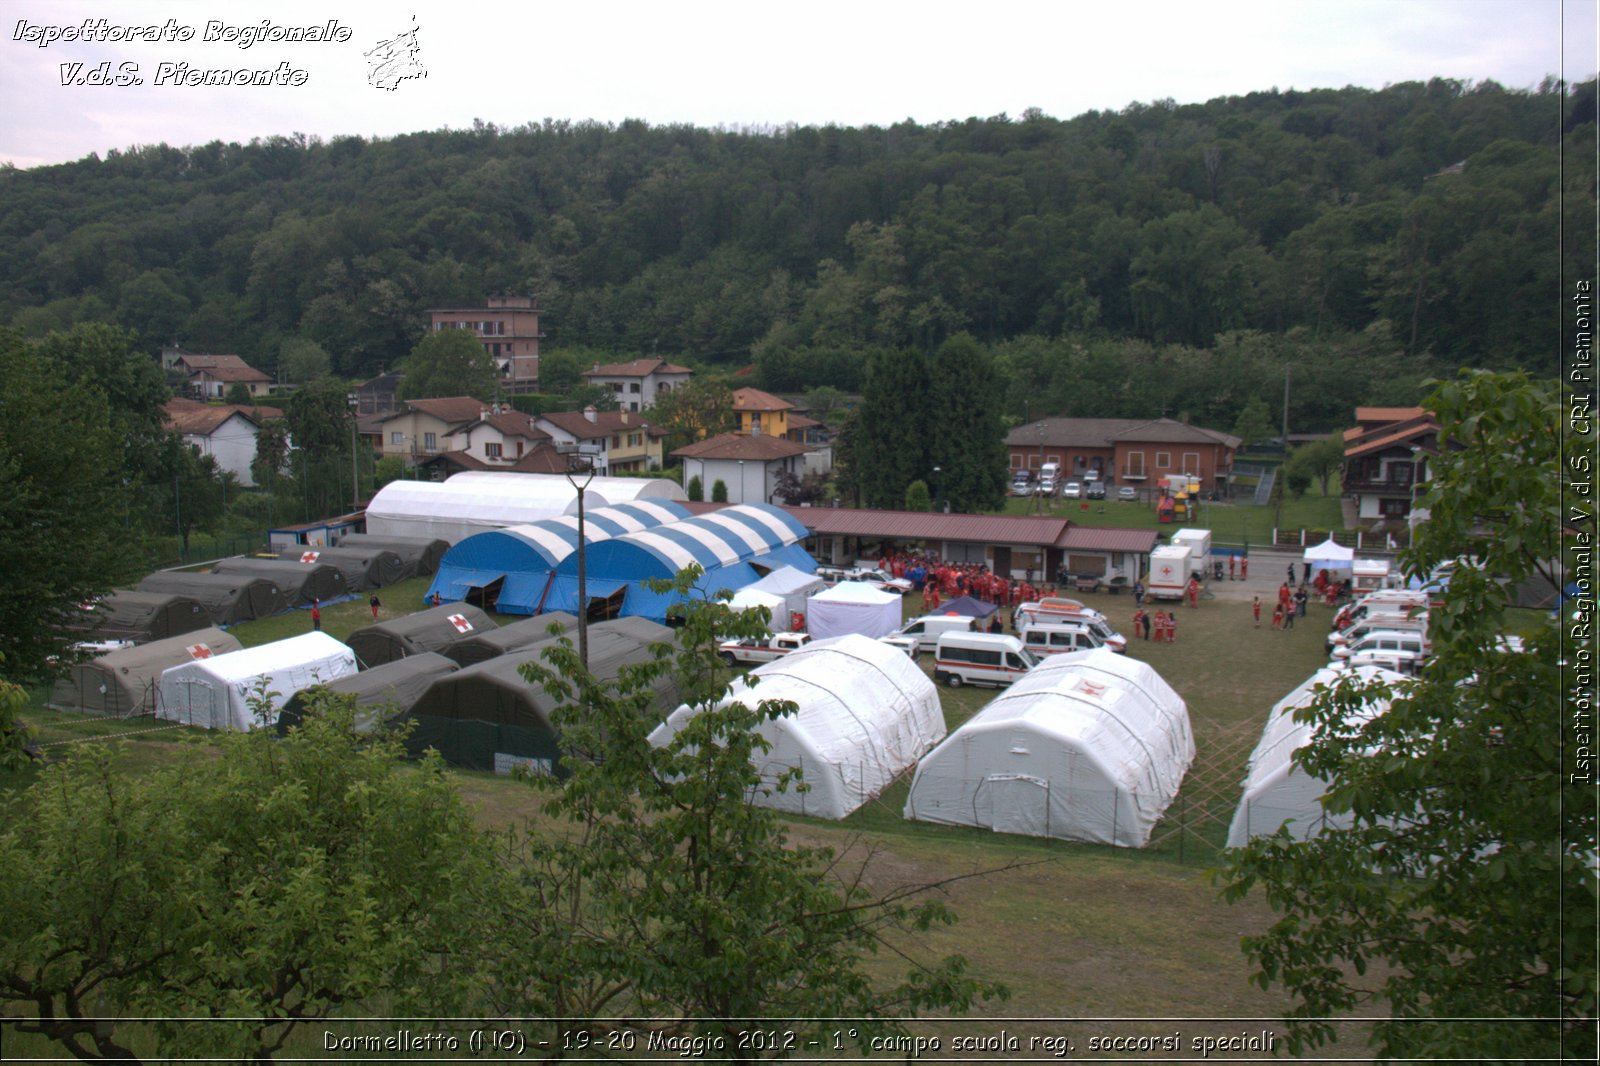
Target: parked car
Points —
{"points": [[832, 575], [1072, 490], [906, 645], [1047, 486], [752, 650], [1127, 492], [1095, 490]]}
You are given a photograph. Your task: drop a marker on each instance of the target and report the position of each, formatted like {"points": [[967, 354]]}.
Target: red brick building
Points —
{"points": [[508, 329], [1131, 451]]}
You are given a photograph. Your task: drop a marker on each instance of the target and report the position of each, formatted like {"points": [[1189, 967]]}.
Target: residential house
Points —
{"points": [[749, 465], [806, 430], [209, 377], [423, 427], [379, 396], [1386, 463], [1132, 451], [499, 436], [637, 385], [760, 413], [226, 432], [508, 329], [622, 441]]}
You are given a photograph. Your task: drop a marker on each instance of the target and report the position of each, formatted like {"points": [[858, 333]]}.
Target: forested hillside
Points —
{"points": [[1172, 257]]}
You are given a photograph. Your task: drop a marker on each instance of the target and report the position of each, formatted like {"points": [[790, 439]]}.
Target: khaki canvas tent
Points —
{"points": [[1276, 791], [508, 639], [300, 582], [487, 717], [227, 598], [361, 568], [419, 555], [864, 714], [216, 693], [384, 692], [1086, 746], [126, 683], [434, 629], [128, 614]]}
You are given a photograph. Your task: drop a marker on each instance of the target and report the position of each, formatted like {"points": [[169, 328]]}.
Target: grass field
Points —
{"points": [[1075, 931], [1232, 523]]}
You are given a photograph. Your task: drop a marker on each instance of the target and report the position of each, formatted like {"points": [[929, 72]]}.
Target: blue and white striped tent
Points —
{"points": [[735, 546], [512, 566]]}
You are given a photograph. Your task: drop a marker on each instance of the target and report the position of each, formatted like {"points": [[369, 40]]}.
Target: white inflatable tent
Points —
{"points": [[1087, 746], [864, 715], [1276, 791], [214, 693], [477, 500], [853, 607], [792, 587]]}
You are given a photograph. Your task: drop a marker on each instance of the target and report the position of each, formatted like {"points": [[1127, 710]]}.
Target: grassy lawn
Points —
{"points": [[1232, 523], [1075, 930]]}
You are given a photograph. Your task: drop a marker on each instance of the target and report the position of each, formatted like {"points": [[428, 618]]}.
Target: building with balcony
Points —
{"points": [[1386, 463], [1131, 451], [636, 385], [508, 329], [760, 414], [622, 441]]}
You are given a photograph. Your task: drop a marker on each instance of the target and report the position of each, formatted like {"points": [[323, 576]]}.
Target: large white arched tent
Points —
{"points": [[477, 500], [864, 714], [735, 546], [1087, 746], [215, 693], [509, 569], [1276, 791]]}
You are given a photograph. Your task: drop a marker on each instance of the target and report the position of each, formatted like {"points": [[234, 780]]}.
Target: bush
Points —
{"points": [[695, 490], [719, 492]]}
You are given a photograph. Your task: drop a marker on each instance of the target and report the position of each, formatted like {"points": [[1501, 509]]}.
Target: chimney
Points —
{"points": [[590, 414], [483, 413], [624, 418]]}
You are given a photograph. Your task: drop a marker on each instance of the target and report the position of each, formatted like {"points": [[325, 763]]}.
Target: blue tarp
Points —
{"points": [[968, 606]]}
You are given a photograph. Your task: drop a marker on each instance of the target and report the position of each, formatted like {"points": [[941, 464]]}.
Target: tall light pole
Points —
{"points": [[355, 479], [580, 471]]}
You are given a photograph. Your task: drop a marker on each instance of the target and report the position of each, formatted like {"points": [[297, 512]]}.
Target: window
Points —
{"points": [[1191, 463], [1135, 464], [633, 386], [430, 442], [1394, 508], [1056, 459], [491, 450], [1163, 460], [616, 441], [396, 437]]}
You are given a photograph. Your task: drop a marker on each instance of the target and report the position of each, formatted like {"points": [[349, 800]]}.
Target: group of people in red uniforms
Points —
{"points": [[940, 580], [1159, 626]]}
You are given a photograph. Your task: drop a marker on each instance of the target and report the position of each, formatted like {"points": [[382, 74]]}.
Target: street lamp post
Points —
{"points": [[933, 502], [580, 465], [355, 478]]}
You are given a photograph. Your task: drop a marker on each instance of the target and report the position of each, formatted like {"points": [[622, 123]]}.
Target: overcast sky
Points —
{"points": [[734, 64]]}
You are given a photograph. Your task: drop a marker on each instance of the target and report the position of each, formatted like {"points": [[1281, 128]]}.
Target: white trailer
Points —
{"points": [[1169, 572], [1199, 542]]}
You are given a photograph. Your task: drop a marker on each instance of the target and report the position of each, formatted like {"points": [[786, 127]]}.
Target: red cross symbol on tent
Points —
{"points": [[1089, 688], [308, 557], [199, 651], [461, 623]]}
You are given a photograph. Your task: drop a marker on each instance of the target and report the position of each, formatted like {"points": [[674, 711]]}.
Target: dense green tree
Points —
{"points": [[696, 489], [966, 443], [63, 522], [696, 911], [1460, 899], [719, 491], [302, 361], [449, 362], [1254, 422], [890, 439], [917, 498], [301, 889], [1320, 460], [238, 393], [699, 409]]}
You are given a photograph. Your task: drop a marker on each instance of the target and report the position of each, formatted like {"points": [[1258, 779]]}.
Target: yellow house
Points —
{"points": [[760, 414]]}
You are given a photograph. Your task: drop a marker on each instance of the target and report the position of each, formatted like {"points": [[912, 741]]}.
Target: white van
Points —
{"points": [[1054, 610], [1384, 640], [1372, 623], [1074, 636], [927, 629], [981, 659]]}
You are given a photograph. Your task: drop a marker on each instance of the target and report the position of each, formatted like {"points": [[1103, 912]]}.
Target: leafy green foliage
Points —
{"points": [[1320, 460], [61, 544], [13, 733], [917, 498], [302, 361], [695, 490], [1463, 895], [700, 409], [274, 881], [238, 393], [719, 491], [1254, 422], [673, 897], [449, 362]]}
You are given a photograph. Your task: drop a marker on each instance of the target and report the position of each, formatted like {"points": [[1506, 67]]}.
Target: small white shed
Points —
{"points": [[214, 693], [1087, 746], [1276, 791], [865, 713]]}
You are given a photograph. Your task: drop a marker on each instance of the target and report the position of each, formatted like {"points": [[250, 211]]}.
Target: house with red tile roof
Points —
{"points": [[226, 432], [1386, 463], [761, 413], [424, 427], [749, 466], [1133, 451], [210, 376], [499, 436], [636, 385], [621, 440]]}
